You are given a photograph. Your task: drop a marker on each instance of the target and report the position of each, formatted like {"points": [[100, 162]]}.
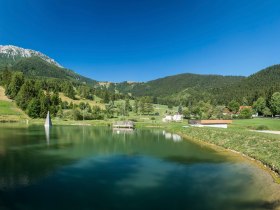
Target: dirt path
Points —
{"points": [[268, 131]]}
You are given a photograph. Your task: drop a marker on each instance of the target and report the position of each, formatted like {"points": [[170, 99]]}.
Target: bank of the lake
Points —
{"points": [[263, 148]]}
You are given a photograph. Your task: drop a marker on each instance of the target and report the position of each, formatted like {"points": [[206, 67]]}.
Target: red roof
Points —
{"points": [[244, 107]]}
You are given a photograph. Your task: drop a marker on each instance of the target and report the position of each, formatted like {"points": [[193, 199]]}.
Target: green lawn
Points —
{"points": [[8, 108], [271, 124], [10, 112]]}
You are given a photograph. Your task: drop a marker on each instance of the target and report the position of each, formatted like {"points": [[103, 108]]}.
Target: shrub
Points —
{"points": [[245, 113], [262, 127], [76, 114]]}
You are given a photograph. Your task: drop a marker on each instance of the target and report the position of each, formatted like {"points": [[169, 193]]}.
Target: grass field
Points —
{"points": [[9, 112], [271, 124], [95, 102]]}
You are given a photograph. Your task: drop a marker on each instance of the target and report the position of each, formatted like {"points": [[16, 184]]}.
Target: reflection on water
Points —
{"points": [[173, 136], [97, 168], [47, 132], [123, 130]]}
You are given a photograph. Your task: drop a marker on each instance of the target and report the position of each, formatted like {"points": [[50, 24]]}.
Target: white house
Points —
{"points": [[175, 118]]}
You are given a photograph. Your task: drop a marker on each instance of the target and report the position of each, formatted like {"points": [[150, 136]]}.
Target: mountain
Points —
{"points": [[260, 84], [191, 88], [36, 64], [177, 89], [177, 83], [10, 54]]}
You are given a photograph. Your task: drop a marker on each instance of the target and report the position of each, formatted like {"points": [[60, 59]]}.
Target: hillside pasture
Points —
{"points": [[8, 109], [95, 102]]}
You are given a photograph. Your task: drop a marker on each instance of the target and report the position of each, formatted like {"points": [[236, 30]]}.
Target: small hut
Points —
{"points": [[123, 124]]}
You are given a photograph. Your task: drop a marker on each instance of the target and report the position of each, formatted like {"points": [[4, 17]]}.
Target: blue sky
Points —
{"points": [[117, 40]]}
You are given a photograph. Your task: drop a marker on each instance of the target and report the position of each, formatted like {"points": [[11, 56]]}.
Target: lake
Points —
{"points": [[85, 167]]}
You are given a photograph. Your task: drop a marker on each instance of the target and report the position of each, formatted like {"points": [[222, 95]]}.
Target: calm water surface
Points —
{"points": [[89, 168]]}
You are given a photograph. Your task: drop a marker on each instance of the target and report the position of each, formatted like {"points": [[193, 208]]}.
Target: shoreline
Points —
{"points": [[260, 164]]}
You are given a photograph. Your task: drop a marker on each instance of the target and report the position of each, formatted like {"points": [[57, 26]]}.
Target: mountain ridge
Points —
{"points": [[16, 53], [36, 64], [180, 87]]}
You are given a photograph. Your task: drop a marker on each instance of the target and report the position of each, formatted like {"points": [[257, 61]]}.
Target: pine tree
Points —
{"points": [[180, 109], [26, 94], [33, 108], [17, 81], [136, 105]]}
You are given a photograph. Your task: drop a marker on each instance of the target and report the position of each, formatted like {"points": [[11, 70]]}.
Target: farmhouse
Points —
{"points": [[210, 123]]}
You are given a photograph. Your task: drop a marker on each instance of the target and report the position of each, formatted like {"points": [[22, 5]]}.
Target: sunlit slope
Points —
{"points": [[9, 112]]}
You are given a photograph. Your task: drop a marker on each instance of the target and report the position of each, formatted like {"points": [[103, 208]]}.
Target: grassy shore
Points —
{"points": [[259, 146]]}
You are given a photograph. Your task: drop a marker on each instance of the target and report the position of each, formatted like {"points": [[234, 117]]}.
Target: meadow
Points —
{"points": [[9, 112], [254, 124]]}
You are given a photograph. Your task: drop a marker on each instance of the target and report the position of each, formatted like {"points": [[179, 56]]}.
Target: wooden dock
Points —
{"points": [[123, 124]]}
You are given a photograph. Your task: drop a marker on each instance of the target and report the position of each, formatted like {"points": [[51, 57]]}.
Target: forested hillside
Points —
{"points": [[191, 88], [175, 84], [37, 67], [261, 84]]}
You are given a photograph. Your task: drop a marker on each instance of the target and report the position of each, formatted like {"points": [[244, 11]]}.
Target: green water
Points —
{"points": [[86, 168]]}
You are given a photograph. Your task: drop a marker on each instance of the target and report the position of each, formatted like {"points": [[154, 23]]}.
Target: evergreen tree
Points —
{"points": [[149, 108], [82, 106], [180, 109], [33, 108], [69, 90], [60, 112], [26, 94], [17, 81], [106, 97], [136, 105], [128, 107], [45, 101], [142, 105], [6, 77], [110, 109]]}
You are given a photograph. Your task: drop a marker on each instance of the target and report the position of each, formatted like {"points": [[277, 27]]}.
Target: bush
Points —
{"points": [[245, 113], [76, 114], [262, 127], [153, 118]]}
